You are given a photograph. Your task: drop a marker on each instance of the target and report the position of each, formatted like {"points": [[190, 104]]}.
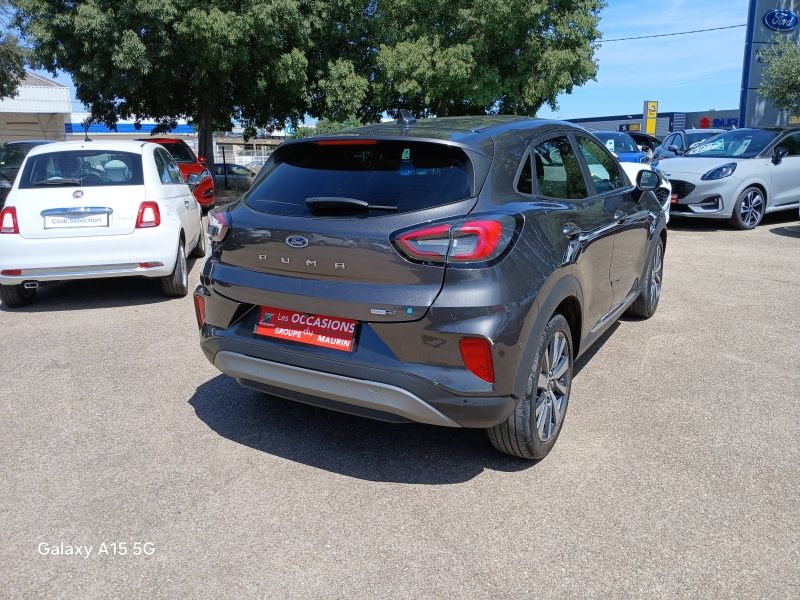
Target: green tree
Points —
{"points": [[12, 55], [451, 57], [208, 60], [780, 83]]}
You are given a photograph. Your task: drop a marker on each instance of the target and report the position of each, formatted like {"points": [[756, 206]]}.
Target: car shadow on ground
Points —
{"points": [[692, 224], [87, 294], [350, 445], [787, 231]]}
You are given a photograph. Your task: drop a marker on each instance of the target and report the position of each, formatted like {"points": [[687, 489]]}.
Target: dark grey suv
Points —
{"points": [[476, 258]]}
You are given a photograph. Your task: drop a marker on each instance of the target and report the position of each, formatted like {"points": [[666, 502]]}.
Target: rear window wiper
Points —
{"points": [[58, 182], [332, 202]]}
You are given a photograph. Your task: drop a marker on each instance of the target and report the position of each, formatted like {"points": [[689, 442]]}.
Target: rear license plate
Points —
{"points": [[315, 330], [59, 222]]}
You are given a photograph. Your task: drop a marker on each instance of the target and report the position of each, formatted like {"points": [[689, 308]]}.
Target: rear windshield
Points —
{"points": [[407, 175], [617, 142], [180, 152], [72, 168]]}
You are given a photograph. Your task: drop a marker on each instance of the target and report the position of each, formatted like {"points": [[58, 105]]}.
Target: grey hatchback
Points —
{"points": [[476, 258]]}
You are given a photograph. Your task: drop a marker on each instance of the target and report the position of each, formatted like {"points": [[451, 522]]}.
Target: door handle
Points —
{"points": [[571, 230], [619, 216]]}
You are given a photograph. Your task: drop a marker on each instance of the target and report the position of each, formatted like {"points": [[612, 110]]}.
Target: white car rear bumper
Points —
{"points": [[88, 257]]}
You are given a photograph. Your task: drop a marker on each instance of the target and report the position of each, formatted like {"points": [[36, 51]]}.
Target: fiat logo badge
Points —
{"points": [[296, 241], [77, 194]]}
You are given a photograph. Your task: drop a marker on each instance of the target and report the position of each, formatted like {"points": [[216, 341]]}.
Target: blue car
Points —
{"points": [[622, 145]]}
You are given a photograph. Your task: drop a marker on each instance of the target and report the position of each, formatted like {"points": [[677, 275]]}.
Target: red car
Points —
{"points": [[189, 162]]}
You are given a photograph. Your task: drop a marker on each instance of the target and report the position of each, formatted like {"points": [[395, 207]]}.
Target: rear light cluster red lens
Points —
{"points": [[149, 215], [473, 240], [217, 226], [150, 265], [200, 305], [8, 220], [11, 272], [477, 355]]}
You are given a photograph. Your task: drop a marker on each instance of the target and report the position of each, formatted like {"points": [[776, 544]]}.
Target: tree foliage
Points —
{"points": [[780, 83], [12, 56]]}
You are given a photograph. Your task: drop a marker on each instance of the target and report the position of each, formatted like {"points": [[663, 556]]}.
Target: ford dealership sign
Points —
{"points": [[780, 20]]}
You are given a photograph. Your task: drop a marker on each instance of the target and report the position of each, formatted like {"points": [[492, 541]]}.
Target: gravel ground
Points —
{"points": [[676, 474]]}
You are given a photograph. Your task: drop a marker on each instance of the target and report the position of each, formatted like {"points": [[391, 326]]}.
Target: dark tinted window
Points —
{"points": [[84, 167], [11, 157], [792, 144], [744, 143], [606, 172], [408, 175], [525, 181], [180, 152], [558, 172]]}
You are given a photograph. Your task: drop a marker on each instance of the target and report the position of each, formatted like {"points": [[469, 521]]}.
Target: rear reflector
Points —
{"points": [[8, 220], [350, 142], [11, 272], [477, 355], [149, 215], [673, 199], [200, 308], [150, 265]]}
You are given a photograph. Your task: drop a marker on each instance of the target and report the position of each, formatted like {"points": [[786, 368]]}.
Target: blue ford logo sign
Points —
{"points": [[297, 241], [780, 20]]}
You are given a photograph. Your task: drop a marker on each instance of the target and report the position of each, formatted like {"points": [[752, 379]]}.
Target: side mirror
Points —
{"points": [[674, 149], [779, 154], [202, 160], [647, 180], [194, 180]]}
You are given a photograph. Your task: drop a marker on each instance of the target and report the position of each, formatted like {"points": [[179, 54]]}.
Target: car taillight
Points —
{"points": [[477, 355], [477, 239], [149, 215], [217, 226], [8, 220], [200, 307], [12, 272]]}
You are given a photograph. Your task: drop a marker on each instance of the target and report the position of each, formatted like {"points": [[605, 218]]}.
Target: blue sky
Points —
{"points": [[693, 72]]}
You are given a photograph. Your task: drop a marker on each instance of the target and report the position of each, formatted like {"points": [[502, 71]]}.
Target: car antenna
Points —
{"points": [[405, 117]]}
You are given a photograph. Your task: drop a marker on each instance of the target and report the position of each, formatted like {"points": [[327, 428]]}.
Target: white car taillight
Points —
{"points": [[217, 226], [8, 220], [149, 215]]}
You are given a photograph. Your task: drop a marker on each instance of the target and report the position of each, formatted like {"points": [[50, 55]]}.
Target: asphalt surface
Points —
{"points": [[676, 474]]}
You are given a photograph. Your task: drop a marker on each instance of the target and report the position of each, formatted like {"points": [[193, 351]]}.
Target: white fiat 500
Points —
{"points": [[81, 210]]}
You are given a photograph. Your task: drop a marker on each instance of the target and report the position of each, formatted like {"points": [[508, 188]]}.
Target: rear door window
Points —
{"points": [[407, 175], [73, 168], [558, 172], [792, 144]]}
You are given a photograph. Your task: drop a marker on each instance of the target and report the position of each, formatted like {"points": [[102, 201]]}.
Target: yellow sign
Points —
{"points": [[635, 127], [794, 120], [650, 116]]}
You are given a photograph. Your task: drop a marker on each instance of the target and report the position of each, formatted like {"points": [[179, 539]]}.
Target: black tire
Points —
{"points": [[176, 284], [199, 250], [749, 209], [16, 296], [646, 304], [519, 435]]}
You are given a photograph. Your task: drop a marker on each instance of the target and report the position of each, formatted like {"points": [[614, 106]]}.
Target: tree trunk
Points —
{"points": [[205, 138], [441, 109]]}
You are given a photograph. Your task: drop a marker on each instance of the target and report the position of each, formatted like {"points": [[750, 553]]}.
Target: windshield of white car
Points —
{"points": [[82, 168], [617, 142], [693, 138], [734, 144]]}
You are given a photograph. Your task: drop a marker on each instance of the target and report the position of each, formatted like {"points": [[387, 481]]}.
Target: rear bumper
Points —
{"points": [[355, 389], [89, 257]]}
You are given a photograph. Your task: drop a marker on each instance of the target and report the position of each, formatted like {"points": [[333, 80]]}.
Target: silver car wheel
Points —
{"points": [[552, 388], [752, 208], [658, 272]]}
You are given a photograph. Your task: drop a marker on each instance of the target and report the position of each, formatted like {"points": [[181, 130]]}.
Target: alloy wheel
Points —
{"points": [[552, 387], [658, 272], [752, 208]]}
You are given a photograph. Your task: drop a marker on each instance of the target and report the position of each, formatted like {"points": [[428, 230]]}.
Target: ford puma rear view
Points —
{"points": [[446, 271]]}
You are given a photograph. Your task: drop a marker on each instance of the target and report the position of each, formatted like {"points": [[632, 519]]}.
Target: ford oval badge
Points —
{"points": [[77, 194], [296, 241], [780, 20]]}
